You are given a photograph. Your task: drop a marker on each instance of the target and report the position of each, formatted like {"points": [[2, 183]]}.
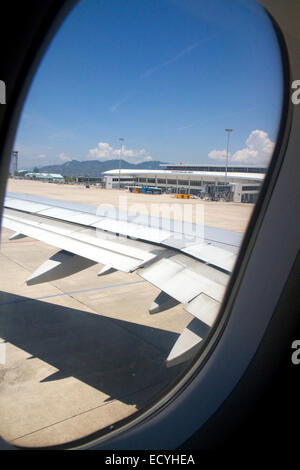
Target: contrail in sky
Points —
{"points": [[170, 61]]}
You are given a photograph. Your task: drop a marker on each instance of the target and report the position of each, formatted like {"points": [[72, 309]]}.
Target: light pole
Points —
{"points": [[14, 159], [121, 140], [228, 132]]}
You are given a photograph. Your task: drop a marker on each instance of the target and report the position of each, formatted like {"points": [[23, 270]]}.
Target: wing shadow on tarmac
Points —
{"points": [[121, 359]]}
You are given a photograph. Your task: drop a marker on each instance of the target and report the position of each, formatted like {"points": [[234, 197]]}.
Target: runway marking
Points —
{"points": [[71, 292]]}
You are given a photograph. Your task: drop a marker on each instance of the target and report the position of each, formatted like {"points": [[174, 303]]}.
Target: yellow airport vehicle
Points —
{"points": [[182, 196]]}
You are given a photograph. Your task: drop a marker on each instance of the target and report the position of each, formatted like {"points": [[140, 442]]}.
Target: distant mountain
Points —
{"points": [[96, 168]]}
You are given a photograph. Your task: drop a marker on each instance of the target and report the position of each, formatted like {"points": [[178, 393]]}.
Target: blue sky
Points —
{"points": [[168, 76]]}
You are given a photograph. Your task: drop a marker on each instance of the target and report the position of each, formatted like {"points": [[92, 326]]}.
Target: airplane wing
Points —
{"points": [[186, 268]]}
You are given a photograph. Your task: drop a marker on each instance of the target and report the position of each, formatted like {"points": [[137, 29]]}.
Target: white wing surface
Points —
{"points": [[187, 269]]}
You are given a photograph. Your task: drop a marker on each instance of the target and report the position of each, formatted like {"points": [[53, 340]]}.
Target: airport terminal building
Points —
{"points": [[46, 177], [234, 183]]}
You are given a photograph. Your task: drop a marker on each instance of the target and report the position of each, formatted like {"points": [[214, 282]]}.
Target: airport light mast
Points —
{"points": [[228, 133], [121, 140], [14, 160]]}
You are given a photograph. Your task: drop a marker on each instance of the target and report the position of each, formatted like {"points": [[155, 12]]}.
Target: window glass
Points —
{"points": [[141, 151]]}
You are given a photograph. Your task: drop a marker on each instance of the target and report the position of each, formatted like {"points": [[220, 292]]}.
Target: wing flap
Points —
{"points": [[183, 278], [204, 308], [132, 229], [212, 255]]}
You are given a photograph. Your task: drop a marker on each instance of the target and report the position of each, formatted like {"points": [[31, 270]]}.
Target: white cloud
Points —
{"points": [[258, 150], [64, 158], [104, 151], [219, 155]]}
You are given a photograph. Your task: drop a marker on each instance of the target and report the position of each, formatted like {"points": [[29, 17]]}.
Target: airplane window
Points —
{"points": [[140, 154]]}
